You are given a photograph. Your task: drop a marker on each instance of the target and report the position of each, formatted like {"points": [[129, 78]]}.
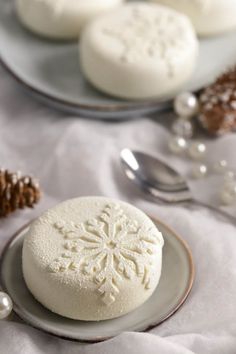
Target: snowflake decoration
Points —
{"points": [[143, 35], [108, 249]]}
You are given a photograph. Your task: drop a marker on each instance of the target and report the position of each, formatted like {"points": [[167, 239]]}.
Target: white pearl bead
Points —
{"points": [[199, 171], [5, 305], [183, 128], [227, 197], [220, 166], [197, 150], [186, 105], [177, 145]]}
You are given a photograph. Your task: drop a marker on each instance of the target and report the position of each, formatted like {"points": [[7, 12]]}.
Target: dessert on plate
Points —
{"points": [[139, 51], [92, 258], [60, 19], [209, 17]]}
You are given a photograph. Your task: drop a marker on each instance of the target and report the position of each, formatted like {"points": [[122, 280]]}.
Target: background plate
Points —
{"points": [[51, 71], [173, 289]]}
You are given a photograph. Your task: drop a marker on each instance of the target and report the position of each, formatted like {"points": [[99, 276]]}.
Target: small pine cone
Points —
{"points": [[17, 192], [218, 105]]}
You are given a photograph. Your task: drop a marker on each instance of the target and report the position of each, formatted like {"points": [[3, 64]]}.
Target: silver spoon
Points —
{"points": [[161, 181]]}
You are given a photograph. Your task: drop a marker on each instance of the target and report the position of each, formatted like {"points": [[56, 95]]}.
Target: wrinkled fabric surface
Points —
{"points": [[73, 157]]}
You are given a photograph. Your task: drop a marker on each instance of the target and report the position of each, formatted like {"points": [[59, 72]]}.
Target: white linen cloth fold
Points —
{"points": [[75, 157]]}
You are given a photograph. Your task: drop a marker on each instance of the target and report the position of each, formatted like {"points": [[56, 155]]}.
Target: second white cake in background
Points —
{"points": [[142, 50], [60, 19], [209, 17]]}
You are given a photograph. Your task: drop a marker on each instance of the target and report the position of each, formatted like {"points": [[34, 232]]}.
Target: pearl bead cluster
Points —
{"points": [[228, 192], [186, 107], [5, 305]]}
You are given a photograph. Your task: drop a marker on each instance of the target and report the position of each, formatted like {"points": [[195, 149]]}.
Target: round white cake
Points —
{"points": [[209, 17], [142, 50], [60, 19], [92, 258]]}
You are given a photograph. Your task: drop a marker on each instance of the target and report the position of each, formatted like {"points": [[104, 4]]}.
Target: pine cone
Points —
{"points": [[218, 104], [17, 192]]}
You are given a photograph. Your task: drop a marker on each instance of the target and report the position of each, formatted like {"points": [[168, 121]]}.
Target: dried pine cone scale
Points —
{"points": [[17, 192], [218, 104]]}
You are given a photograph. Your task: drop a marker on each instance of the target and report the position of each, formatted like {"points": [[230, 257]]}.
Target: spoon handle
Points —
{"points": [[216, 210]]}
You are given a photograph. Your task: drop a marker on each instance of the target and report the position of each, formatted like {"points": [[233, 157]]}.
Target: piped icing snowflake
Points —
{"points": [[108, 249], [143, 34]]}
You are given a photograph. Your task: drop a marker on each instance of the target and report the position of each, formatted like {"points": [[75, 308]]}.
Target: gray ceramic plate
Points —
{"points": [[173, 289], [50, 70]]}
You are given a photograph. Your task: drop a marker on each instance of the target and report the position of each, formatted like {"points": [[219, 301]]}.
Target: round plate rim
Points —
{"points": [[101, 339], [128, 107]]}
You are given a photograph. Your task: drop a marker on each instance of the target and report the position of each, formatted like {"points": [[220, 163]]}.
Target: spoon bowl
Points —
{"points": [[159, 180], [154, 176]]}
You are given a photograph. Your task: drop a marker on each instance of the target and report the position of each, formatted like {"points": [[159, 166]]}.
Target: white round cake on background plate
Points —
{"points": [[140, 51], [92, 258], [209, 17], [60, 19]]}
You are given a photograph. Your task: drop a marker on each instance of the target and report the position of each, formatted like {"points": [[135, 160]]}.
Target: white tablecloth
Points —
{"points": [[73, 157]]}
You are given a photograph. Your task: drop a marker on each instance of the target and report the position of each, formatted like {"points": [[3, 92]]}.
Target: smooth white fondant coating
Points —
{"points": [[60, 19], [140, 51], [92, 258], [209, 17]]}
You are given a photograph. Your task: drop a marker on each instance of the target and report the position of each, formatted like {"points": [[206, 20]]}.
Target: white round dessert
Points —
{"points": [[92, 258], [60, 19], [140, 51], [209, 17]]}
